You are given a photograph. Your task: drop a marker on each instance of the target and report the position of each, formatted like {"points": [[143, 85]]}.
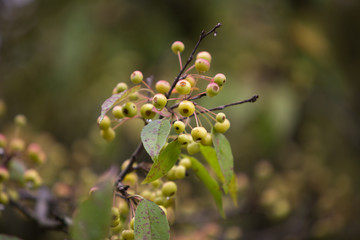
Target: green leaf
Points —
{"points": [[150, 222], [116, 99], [165, 162], [92, 218], [210, 183], [154, 136], [6, 237], [233, 189], [225, 157], [209, 154]]}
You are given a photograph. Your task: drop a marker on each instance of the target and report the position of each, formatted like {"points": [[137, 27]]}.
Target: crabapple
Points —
{"points": [[186, 108], [136, 77], [222, 127], [146, 111], [162, 86], [177, 46], [179, 126]]}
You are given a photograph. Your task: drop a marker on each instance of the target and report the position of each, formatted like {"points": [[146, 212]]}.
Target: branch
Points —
{"points": [[133, 159], [202, 36]]}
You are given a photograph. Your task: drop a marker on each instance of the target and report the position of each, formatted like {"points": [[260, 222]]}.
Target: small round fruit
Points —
{"points": [[183, 87], [136, 77], [186, 162], [20, 120], [146, 111], [207, 141], [180, 172], [220, 117], [191, 80], [128, 234], [186, 108], [117, 228], [3, 140], [193, 148], [115, 222], [184, 139], [117, 112], [162, 86], [104, 123], [177, 46], [4, 198], [179, 126], [134, 96], [222, 127], [198, 133], [4, 174], [17, 145], [159, 100], [129, 109], [170, 175], [131, 224], [204, 55], [35, 153], [169, 189], [32, 178], [115, 213], [202, 65], [108, 134], [120, 87], [157, 183], [212, 89], [159, 200], [131, 178], [220, 79]]}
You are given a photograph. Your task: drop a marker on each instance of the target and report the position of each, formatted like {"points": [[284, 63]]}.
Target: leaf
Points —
{"points": [[6, 237], [92, 218], [154, 136], [165, 162], [209, 154], [233, 189], [150, 222], [116, 99], [210, 183], [225, 157]]}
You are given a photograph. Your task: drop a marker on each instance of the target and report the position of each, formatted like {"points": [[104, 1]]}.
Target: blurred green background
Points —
{"points": [[59, 60]]}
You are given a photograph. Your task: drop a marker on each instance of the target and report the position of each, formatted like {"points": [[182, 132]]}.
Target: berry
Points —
{"points": [[171, 174], [183, 87], [117, 112], [134, 96], [147, 112], [162, 86], [220, 117], [4, 174], [193, 148], [222, 127], [191, 80], [186, 108], [159, 100], [4, 198], [131, 178], [128, 235], [204, 55], [198, 133], [202, 65], [157, 183], [177, 46], [159, 200], [179, 126], [180, 172], [2, 140], [148, 195], [212, 89], [115, 214], [185, 162], [220, 79], [120, 87], [108, 134], [35, 153], [169, 189], [17, 145], [136, 77], [131, 224], [20, 120], [117, 228], [207, 141], [184, 139], [32, 178], [129, 109], [104, 123]]}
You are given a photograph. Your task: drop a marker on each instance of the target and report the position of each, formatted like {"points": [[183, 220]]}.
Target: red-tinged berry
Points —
{"points": [[202, 65], [204, 55], [35, 153], [162, 86], [183, 87], [159, 100], [146, 111], [177, 46], [191, 80], [129, 109], [212, 89], [220, 79], [117, 112], [186, 108], [179, 126], [136, 77], [222, 127]]}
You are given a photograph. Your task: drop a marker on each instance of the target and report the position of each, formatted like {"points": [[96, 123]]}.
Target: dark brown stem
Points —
{"points": [[133, 159]]}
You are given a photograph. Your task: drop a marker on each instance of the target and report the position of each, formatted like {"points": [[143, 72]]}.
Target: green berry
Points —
{"points": [[220, 79], [2, 140], [136, 77], [131, 224], [204, 55], [4, 174], [116, 229], [186, 108], [162, 86], [117, 112], [159, 200], [129, 109], [191, 80], [170, 175], [104, 123], [193, 148], [212, 89], [222, 127], [128, 235], [147, 112], [169, 189], [202, 65], [115, 213], [185, 162], [134, 96], [108, 134], [17, 145], [115, 222], [4, 198], [180, 172], [220, 117], [179, 126], [20, 120], [159, 100], [177, 46], [157, 183], [35, 153], [120, 87], [32, 178], [198, 133], [207, 141], [184, 139], [183, 87]]}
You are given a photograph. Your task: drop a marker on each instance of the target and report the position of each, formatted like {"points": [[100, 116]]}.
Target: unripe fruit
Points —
{"points": [[198, 133], [115, 222], [220, 79], [104, 123], [129, 109], [184, 139], [191, 80], [177, 46], [202, 65], [35, 153], [20, 120], [169, 201], [170, 175], [4, 198], [169, 189], [207, 141], [159, 100], [131, 224], [17, 145], [136, 77], [108, 134], [148, 195], [222, 127], [2, 141], [159, 200], [186, 108], [220, 117], [120, 87], [179, 126], [115, 213], [180, 172], [32, 178], [193, 148], [157, 183], [212, 89], [117, 228], [131, 178], [183, 87], [117, 112], [146, 111], [134, 96], [4, 174], [185, 162], [128, 235], [204, 55], [162, 86]]}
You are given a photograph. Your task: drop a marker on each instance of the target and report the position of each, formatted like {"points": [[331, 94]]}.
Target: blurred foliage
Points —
{"points": [[59, 60]]}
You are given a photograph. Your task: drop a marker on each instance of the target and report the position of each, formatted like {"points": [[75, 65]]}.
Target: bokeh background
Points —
{"points": [[296, 148]]}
